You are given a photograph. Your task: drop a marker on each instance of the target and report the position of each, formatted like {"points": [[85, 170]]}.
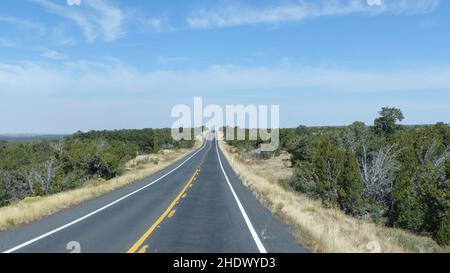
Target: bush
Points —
{"points": [[443, 234], [420, 194], [3, 200], [388, 171], [304, 179], [332, 175], [297, 142], [51, 166], [376, 211], [447, 168], [350, 187], [444, 130], [407, 211]]}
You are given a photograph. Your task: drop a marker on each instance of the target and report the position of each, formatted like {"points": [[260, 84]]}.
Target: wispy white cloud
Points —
{"points": [[79, 95], [89, 77], [428, 23], [53, 54], [22, 23], [152, 23], [96, 18], [159, 23], [233, 15], [6, 43], [60, 36], [164, 60], [110, 20]]}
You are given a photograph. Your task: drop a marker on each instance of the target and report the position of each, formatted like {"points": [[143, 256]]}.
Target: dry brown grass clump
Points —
{"points": [[34, 208], [318, 228]]}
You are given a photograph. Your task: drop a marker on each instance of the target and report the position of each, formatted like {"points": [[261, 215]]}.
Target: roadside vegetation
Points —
{"points": [[45, 176], [390, 175]]}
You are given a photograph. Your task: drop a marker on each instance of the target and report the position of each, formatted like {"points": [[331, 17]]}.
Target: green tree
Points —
{"points": [[408, 210], [44, 167], [386, 124], [447, 168], [443, 234], [304, 179], [420, 195], [350, 186], [444, 130], [298, 144], [337, 174]]}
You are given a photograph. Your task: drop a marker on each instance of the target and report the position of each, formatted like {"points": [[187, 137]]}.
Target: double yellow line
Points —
{"points": [[161, 218]]}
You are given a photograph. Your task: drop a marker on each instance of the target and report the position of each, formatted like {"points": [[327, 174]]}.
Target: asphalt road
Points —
{"points": [[196, 205]]}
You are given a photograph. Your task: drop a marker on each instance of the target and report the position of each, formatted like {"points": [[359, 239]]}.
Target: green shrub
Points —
{"points": [[333, 174], [447, 168], [3, 197], [408, 211], [350, 187], [443, 234], [388, 171], [73, 160], [420, 194], [377, 212], [304, 179]]}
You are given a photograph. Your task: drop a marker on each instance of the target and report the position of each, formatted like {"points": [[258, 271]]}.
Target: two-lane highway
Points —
{"points": [[196, 205]]}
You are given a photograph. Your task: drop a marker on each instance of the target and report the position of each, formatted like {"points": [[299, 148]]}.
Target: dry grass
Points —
{"points": [[318, 228], [34, 208]]}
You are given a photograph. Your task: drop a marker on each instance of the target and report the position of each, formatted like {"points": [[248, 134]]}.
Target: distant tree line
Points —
{"points": [[393, 174], [48, 166]]}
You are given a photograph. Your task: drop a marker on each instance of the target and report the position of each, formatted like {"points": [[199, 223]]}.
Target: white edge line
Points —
{"points": [[102, 208], [255, 236]]}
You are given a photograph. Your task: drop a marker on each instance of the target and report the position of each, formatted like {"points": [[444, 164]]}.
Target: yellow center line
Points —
{"points": [[161, 218], [143, 249], [172, 212]]}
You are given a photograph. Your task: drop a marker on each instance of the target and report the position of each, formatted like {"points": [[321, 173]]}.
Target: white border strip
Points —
{"points": [[102, 208], [258, 242]]}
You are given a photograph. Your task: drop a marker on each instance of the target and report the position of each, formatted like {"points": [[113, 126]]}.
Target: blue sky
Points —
{"points": [[110, 64]]}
